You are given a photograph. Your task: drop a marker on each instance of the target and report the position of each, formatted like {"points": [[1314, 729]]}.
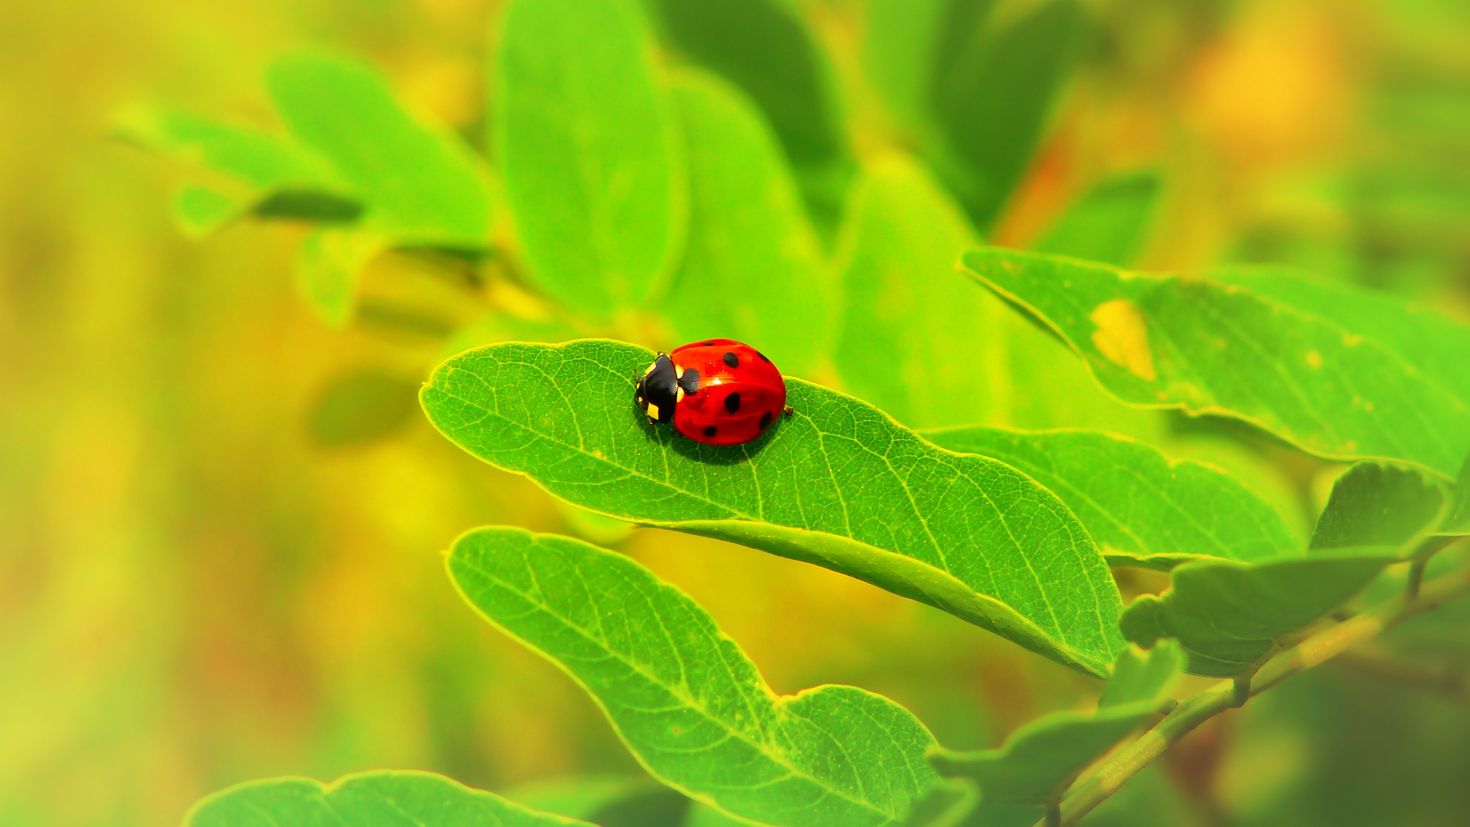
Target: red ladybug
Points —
{"points": [[719, 391]]}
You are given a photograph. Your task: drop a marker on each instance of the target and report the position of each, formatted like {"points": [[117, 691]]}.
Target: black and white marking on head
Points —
{"points": [[731, 359], [657, 392], [732, 401]]}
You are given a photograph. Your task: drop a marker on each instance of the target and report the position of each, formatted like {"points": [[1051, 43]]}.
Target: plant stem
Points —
{"points": [[1107, 777]]}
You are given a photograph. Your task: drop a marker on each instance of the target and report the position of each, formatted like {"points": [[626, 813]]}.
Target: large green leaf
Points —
{"points": [[838, 484], [992, 101], [585, 138], [1141, 507], [688, 703], [765, 48], [1231, 616], [1313, 375], [420, 185], [917, 340], [382, 799], [1109, 222], [1041, 759], [752, 266], [899, 50]]}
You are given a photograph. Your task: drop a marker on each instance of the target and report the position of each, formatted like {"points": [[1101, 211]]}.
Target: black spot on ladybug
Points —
{"points": [[765, 420], [709, 430], [690, 381], [732, 360], [706, 344], [762, 357], [732, 402]]}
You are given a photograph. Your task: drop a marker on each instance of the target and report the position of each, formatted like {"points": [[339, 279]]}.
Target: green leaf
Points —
{"points": [[1306, 373], [1141, 507], [360, 406], [1109, 223], [992, 103], [1042, 758], [608, 801], [420, 185], [1457, 521], [1379, 505], [329, 264], [688, 703], [766, 50], [1230, 616], [586, 140], [904, 306], [752, 266], [899, 54], [838, 484], [385, 797]]}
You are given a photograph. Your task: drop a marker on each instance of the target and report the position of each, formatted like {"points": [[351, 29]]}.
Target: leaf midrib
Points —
{"points": [[678, 695]]}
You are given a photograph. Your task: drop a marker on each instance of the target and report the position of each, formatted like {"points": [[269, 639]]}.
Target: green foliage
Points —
{"points": [[386, 798], [751, 262], [684, 698], [1109, 223], [838, 484], [1020, 779], [421, 186], [1376, 504], [1313, 376], [361, 406], [585, 139], [1140, 506], [951, 355]]}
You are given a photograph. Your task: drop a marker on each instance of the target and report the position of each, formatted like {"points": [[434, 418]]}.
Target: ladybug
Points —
{"points": [[719, 391]]}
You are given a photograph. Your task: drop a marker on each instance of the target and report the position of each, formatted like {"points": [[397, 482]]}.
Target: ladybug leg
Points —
{"points": [[787, 410]]}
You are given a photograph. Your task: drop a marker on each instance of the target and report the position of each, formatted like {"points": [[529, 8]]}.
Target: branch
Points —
{"points": [[1107, 777]]}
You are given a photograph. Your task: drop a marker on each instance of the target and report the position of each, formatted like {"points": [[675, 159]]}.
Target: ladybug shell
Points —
{"points": [[738, 394]]}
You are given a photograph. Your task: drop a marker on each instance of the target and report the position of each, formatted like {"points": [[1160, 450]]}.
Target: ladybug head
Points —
{"points": [[658, 390]]}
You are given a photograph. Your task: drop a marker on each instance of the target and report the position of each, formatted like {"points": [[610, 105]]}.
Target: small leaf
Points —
{"points": [[329, 264], [992, 102], [1379, 505], [766, 50], [1230, 616], [420, 185], [751, 258], [906, 308], [585, 137], [1109, 223], [683, 697], [390, 798], [608, 801], [360, 406], [1457, 521], [838, 484], [203, 210], [1310, 375], [1042, 758], [1141, 507]]}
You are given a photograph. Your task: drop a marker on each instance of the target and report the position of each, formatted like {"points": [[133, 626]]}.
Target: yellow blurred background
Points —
{"points": [[195, 590]]}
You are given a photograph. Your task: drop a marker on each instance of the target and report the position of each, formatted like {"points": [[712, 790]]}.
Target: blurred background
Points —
{"points": [[221, 521]]}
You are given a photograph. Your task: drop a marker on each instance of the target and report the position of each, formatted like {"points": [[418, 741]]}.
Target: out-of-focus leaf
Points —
{"points": [[766, 50], [609, 801], [419, 184], [839, 484], [1379, 505], [361, 406], [950, 355], [1315, 377], [683, 697], [1457, 520], [1141, 507], [900, 45], [1040, 759], [1230, 616], [1110, 222], [585, 137], [329, 264], [389, 798], [255, 171], [752, 266], [991, 104]]}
